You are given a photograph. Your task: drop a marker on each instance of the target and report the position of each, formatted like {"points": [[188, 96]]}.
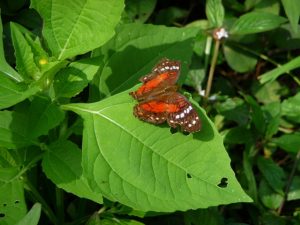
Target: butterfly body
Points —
{"points": [[159, 100]]}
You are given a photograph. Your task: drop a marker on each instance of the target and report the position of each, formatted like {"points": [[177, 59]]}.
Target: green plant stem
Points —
{"points": [[212, 69], [289, 182], [45, 207]]}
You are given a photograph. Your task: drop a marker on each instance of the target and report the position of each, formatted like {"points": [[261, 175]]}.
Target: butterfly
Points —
{"points": [[159, 101]]}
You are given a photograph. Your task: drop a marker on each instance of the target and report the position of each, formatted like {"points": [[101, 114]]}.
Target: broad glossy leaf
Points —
{"points": [[12, 92], [76, 27], [146, 167], [135, 50], [5, 68], [239, 60], [215, 12], [73, 79], [275, 73], [255, 22], [25, 63], [13, 206], [272, 173], [32, 217], [292, 10], [289, 142]]}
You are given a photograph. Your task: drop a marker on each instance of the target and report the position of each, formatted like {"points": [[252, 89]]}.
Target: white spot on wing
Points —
{"points": [[181, 115]]}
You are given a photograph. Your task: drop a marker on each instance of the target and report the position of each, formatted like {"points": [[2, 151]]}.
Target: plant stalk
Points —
{"points": [[212, 69]]}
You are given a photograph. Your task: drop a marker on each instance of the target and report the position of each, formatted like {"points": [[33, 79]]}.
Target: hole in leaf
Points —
{"points": [[188, 175], [2, 215], [173, 130], [223, 183], [17, 201], [4, 204]]}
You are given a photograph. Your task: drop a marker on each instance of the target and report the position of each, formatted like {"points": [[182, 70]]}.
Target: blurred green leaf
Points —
{"points": [[32, 217], [62, 165], [238, 135], [239, 60], [267, 93], [269, 218], [215, 12], [210, 216], [294, 191], [272, 112], [138, 11], [140, 159], [290, 108], [267, 195], [73, 28], [292, 10], [272, 173], [234, 109], [170, 15], [115, 221], [289, 142], [255, 22], [280, 70]]}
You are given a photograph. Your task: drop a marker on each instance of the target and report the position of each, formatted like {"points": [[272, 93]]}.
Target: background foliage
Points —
{"points": [[71, 152]]}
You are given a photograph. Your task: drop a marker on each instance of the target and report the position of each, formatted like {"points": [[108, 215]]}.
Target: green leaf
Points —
{"points": [[43, 115], [291, 8], [294, 191], [234, 109], [135, 50], [114, 221], [282, 69], [138, 11], [73, 79], [273, 174], [13, 132], [62, 165], [267, 93], [148, 168], [12, 93], [238, 135], [25, 63], [32, 217], [215, 12], [289, 142], [291, 108], [73, 28], [239, 60], [210, 216], [258, 117], [5, 68], [267, 195], [255, 22], [13, 206], [272, 112]]}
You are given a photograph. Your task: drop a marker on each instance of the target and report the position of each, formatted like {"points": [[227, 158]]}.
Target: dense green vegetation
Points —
{"points": [[71, 151]]}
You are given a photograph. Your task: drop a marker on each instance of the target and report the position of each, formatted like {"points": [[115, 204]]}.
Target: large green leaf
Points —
{"points": [[76, 27], [62, 164], [289, 142], [147, 167], [5, 68], [134, 51], [255, 22], [291, 108], [13, 206]]}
